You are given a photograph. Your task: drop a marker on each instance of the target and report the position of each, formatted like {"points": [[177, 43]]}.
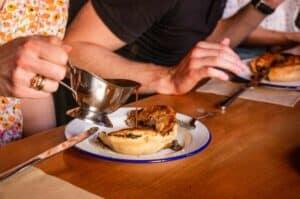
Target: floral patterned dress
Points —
{"points": [[19, 18]]}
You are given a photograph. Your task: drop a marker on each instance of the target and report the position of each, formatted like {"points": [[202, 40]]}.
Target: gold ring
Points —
{"points": [[37, 82]]}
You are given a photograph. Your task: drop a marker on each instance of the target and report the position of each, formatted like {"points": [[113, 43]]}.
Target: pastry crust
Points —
{"points": [[282, 67], [138, 141], [285, 74], [156, 129]]}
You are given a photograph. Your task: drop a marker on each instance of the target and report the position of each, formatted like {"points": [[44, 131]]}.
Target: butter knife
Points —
{"points": [[254, 82], [49, 153]]}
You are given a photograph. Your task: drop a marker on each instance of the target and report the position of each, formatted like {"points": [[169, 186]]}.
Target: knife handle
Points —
{"points": [[19, 168], [67, 144], [229, 100], [50, 152]]}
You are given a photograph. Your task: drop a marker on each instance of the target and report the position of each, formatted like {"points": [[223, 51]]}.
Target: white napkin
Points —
{"points": [[35, 184], [261, 94]]}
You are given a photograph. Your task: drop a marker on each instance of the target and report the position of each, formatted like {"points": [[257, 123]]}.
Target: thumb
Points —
{"points": [[67, 48], [226, 42], [54, 40]]}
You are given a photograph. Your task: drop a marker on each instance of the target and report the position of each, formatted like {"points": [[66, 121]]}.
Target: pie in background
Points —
{"points": [[282, 67]]}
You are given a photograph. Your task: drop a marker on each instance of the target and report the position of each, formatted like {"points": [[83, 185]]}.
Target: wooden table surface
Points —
{"points": [[254, 153]]}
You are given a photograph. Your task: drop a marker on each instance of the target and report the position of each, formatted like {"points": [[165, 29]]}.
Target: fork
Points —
{"points": [[192, 123]]}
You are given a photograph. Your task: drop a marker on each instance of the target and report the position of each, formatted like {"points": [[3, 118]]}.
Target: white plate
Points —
{"points": [[290, 85], [193, 141]]}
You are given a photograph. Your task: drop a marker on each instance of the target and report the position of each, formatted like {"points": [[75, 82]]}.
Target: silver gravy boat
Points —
{"points": [[97, 97]]}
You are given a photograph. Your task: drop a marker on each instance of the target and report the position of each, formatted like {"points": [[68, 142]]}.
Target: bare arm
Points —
{"points": [[93, 45], [241, 25], [38, 114], [109, 65], [265, 37]]}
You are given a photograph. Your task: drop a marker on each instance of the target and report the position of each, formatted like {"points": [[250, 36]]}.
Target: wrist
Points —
{"points": [[162, 82], [289, 37], [263, 6]]}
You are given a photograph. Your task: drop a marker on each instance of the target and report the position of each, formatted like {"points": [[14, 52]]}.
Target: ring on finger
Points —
{"points": [[37, 82]]}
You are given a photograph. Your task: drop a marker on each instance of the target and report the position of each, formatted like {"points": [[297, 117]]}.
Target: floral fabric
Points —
{"points": [[20, 18]]}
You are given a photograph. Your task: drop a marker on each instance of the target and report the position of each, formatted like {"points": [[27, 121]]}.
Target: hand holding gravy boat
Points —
{"points": [[97, 97]]}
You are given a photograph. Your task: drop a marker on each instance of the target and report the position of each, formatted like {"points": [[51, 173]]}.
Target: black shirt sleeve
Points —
{"points": [[74, 7], [129, 19]]}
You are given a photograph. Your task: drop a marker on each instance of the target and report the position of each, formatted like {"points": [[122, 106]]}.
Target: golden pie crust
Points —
{"points": [[282, 67], [156, 129]]}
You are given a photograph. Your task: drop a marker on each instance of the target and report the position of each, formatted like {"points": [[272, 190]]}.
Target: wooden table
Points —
{"points": [[254, 153]]}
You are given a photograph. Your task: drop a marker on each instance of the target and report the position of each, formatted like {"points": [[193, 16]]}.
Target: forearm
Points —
{"points": [[107, 64], [265, 37], [93, 44], [32, 110], [238, 27]]}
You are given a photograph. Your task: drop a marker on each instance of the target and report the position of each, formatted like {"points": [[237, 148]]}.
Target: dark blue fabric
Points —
{"points": [[247, 53]]}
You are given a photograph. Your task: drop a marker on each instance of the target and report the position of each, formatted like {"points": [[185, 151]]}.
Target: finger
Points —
{"points": [[45, 50], [215, 73], [216, 62], [58, 42], [245, 68], [67, 48], [233, 60], [216, 46], [25, 92], [200, 53], [50, 86], [53, 40], [48, 69], [39, 66], [226, 51], [226, 42], [23, 78], [21, 85]]}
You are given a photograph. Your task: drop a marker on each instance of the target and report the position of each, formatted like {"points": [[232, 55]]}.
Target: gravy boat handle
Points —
{"points": [[68, 87], [72, 68]]}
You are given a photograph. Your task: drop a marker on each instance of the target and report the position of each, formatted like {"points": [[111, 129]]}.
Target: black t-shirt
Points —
{"points": [[159, 31], [74, 8]]}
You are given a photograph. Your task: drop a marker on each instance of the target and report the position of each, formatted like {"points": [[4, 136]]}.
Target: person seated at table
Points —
{"points": [[278, 29], [159, 45], [30, 66], [167, 46]]}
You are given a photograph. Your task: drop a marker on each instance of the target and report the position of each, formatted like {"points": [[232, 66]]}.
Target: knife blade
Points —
{"points": [[254, 82], [49, 153]]}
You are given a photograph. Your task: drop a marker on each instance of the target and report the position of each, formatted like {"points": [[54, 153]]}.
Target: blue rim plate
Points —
{"points": [[194, 141]]}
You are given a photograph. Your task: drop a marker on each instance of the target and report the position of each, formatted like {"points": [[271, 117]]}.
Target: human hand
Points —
{"points": [[204, 60], [24, 58]]}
